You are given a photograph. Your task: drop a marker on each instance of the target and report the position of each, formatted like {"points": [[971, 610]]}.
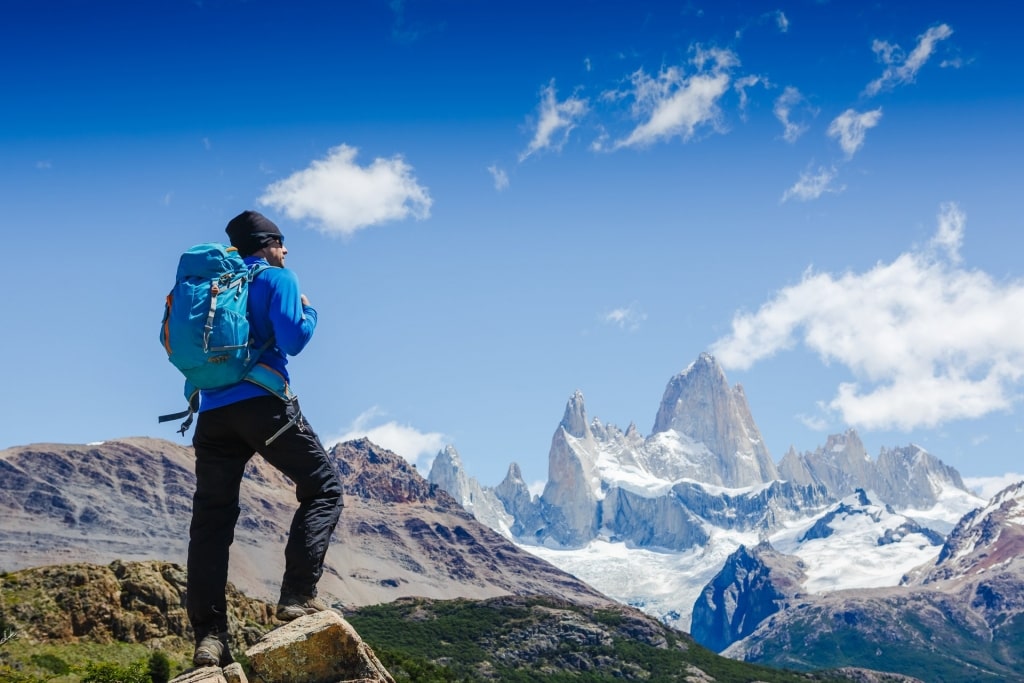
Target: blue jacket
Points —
{"points": [[275, 308]]}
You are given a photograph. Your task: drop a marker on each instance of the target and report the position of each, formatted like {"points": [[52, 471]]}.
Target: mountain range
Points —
{"points": [[131, 499], [696, 522], [80, 525], [693, 524]]}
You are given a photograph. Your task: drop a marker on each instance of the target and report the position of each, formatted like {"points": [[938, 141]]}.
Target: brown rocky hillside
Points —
{"points": [[130, 500]]}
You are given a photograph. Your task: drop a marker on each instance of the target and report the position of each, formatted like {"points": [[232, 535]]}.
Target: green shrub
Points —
{"points": [[51, 663], [159, 667], [9, 675], [106, 672]]}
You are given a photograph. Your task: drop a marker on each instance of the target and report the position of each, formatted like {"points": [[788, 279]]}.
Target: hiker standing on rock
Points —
{"points": [[245, 418]]}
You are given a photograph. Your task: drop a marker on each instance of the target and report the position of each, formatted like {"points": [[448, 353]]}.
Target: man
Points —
{"points": [[236, 421]]}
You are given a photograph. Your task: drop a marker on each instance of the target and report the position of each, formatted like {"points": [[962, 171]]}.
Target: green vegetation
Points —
{"points": [[23, 662], [159, 667], [105, 672], [538, 639], [952, 655]]}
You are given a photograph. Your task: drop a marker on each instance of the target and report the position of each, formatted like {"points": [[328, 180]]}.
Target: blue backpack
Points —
{"points": [[205, 330]]}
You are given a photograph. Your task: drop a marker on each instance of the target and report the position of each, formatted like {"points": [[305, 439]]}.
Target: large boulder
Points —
{"points": [[319, 648]]}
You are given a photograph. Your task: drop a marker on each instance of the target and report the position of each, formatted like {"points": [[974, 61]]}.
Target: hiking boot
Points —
{"points": [[291, 607], [213, 651]]}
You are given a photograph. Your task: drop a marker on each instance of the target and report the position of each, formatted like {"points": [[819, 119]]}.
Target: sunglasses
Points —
{"points": [[266, 238]]}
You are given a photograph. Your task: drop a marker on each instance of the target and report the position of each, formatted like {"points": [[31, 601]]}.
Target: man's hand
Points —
{"points": [[305, 300]]}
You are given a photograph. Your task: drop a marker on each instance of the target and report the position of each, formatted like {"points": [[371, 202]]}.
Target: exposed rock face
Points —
{"points": [[570, 497], [956, 619], [319, 648], [699, 404], [842, 465], [661, 522], [133, 602], [447, 472], [398, 535], [912, 477], [983, 541], [908, 477], [232, 673], [754, 584], [521, 505]]}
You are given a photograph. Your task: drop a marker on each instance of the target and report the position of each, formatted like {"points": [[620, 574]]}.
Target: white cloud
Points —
{"points": [[741, 85], [900, 68], [782, 22], [674, 104], [555, 120], [406, 441], [950, 235], [628, 318], [850, 127], [341, 197], [816, 423], [44, 165], [789, 100], [500, 177], [988, 487], [927, 341], [813, 184]]}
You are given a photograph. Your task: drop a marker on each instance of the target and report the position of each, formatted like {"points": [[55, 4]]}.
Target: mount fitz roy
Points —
{"points": [[652, 520]]}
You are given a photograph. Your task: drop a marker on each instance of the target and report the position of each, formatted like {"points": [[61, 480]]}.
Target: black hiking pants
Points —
{"points": [[224, 440]]}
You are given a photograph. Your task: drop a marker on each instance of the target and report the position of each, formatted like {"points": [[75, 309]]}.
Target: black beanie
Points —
{"points": [[248, 232]]}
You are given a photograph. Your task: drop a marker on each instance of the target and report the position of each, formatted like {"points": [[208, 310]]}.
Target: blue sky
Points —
{"points": [[493, 205]]}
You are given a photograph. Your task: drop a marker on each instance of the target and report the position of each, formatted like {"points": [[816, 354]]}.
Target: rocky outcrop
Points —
{"points": [[134, 602], [911, 477], [521, 505], [448, 473], [232, 673], [907, 477], [841, 466], [319, 648], [754, 584], [569, 501], [983, 541], [955, 619]]}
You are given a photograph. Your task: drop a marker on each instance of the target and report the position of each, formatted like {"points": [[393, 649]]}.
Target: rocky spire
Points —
{"points": [[699, 404], [575, 419]]}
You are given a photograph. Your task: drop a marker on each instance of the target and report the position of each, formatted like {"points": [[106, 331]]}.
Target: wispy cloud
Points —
{"points": [[555, 120], [408, 442], [988, 487], [341, 197], [44, 165], [785, 104], [674, 104], [902, 68], [813, 184], [781, 21], [628, 318], [851, 127], [927, 341], [741, 85], [405, 31], [500, 177]]}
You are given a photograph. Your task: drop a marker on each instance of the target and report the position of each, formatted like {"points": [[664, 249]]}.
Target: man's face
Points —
{"points": [[275, 252]]}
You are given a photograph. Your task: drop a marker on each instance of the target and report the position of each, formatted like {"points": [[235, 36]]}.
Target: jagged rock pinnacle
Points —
{"points": [[575, 419]]}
